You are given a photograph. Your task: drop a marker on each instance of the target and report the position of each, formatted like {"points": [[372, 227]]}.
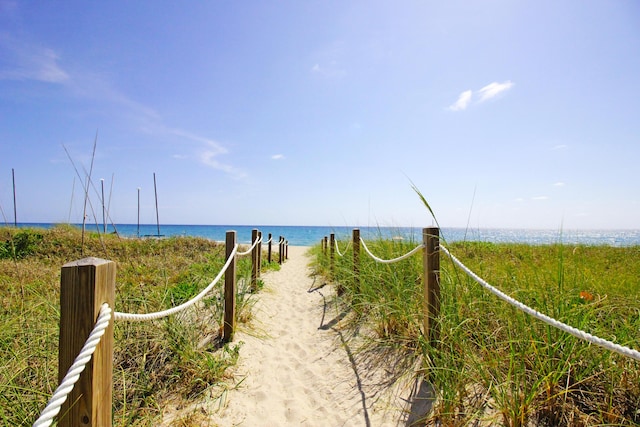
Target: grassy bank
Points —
{"points": [[494, 364], [175, 358]]}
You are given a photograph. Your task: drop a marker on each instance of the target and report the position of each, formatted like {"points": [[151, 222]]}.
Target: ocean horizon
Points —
{"points": [[311, 235]]}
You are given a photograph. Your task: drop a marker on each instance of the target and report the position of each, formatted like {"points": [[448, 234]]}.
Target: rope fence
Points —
{"points": [[60, 395], [431, 278], [87, 292], [585, 336]]}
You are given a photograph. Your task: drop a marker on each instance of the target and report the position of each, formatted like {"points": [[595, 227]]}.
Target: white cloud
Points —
{"points": [[558, 184], [540, 198], [463, 101], [29, 62], [559, 147], [494, 89], [277, 157], [330, 70], [489, 91], [328, 61], [208, 156]]}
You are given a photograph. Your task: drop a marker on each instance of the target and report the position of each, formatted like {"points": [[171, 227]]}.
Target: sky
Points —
{"points": [[508, 114]]}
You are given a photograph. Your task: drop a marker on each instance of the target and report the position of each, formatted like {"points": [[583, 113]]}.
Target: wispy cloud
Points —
{"points": [[277, 157], [23, 61], [210, 153], [559, 147], [463, 101], [538, 198], [558, 184], [487, 92], [328, 61], [329, 70], [494, 89]]}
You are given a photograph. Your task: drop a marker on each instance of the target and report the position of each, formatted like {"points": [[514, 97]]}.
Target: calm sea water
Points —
{"points": [[310, 235]]}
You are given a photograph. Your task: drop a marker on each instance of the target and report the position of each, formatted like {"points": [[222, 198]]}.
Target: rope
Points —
{"points": [[165, 313], [345, 249], [251, 248], [73, 374], [625, 351], [391, 261]]}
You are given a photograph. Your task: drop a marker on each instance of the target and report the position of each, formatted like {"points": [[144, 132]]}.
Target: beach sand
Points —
{"points": [[297, 367]]}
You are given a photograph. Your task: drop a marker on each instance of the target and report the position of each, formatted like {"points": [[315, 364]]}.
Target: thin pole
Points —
{"points": [[138, 212], [73, 189], [155, 189], [109, 204], [104, 220], [15, 209]]}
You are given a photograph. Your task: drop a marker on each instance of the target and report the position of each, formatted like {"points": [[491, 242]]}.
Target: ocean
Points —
{"points": [[311, 235]]}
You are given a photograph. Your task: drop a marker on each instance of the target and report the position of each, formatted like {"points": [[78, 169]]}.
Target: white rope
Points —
{"points": [[391, 261], [625, 351], [251, 248], [345, 249], [165, 313], [73, 374]]}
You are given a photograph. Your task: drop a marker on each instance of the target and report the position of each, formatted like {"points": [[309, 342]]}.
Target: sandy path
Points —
{"points": [[293, 368]]}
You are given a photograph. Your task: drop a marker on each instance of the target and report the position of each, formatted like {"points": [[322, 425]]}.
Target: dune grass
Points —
{"points": [[494, 365], [154, 362]]}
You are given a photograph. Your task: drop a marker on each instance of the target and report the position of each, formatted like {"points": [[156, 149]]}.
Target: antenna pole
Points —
{"points": [[104, 221], [15, 210], [155, 189], [138, 212]]}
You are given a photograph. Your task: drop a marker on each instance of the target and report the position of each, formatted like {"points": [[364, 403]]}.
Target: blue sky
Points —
{"points": [[503, 113]]}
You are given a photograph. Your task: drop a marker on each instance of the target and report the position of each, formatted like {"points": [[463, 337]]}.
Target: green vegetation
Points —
{"points": [[154, 362], [494, 364]]}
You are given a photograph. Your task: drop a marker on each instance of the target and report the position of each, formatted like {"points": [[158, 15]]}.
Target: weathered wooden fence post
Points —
{"points": [[229, 290], [332, 250], [269, 250], [325, 245], [84, 286], [431, 279], [254, 260], [356, 257], [259, 253], [281, 250], [286, 249]]}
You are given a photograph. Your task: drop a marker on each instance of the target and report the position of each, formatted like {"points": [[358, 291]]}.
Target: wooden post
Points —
{"points": [[269, 250], [84, 286], [280, 250], [356, 257], [431, 279], [286, 249], [254, 261], [332, 250], [229, 290], [325, 245], [259, 253]]}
